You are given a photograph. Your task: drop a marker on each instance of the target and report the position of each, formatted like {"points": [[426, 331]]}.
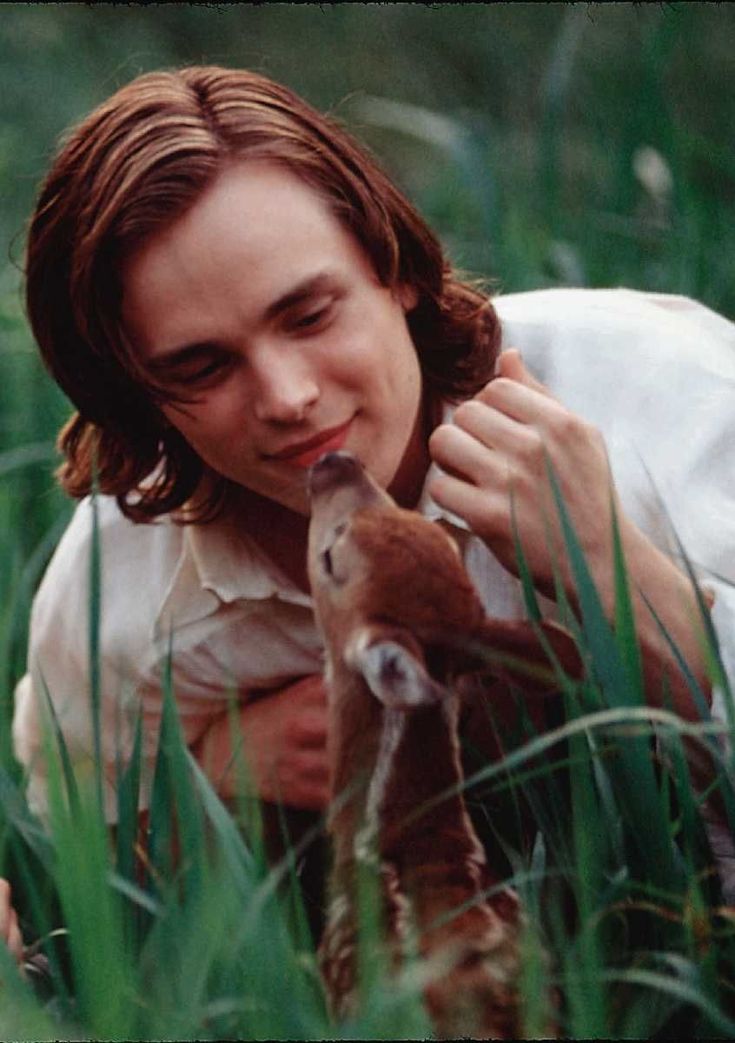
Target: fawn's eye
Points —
{"points": [[327, 562]]}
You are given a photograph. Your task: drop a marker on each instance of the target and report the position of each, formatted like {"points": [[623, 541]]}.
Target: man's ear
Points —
{"points": [[391, 662], [408, 296]]}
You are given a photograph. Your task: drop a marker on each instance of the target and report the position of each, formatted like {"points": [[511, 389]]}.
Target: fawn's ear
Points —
{"points": [[392, 665]]}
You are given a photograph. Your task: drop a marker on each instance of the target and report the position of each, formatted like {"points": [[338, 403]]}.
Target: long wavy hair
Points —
{"points": [[131, 168]]}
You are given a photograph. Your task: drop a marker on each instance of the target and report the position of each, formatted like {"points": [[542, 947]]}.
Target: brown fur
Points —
{"points": [[385, 578]]}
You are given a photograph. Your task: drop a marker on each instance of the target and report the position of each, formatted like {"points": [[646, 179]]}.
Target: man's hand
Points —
{"points": [[284, 737], [498, 445]]}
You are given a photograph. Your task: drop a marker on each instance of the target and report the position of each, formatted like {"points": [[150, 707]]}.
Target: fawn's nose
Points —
{"points": [[333, 470]]}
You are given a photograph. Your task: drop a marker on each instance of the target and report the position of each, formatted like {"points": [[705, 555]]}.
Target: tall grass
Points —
{"points": [[626, 935]]}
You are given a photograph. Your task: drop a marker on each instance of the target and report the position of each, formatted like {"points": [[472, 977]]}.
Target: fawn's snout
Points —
{"points": [[339, 483], [339, 487], [333, 470]]}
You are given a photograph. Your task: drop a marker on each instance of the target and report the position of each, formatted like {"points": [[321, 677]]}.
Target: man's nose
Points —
{"points": [[285, 387]]}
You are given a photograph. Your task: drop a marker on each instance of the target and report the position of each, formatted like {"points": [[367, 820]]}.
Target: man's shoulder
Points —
{"points": [[136, 565], [567, 303], [123, 544], [617, 328]]}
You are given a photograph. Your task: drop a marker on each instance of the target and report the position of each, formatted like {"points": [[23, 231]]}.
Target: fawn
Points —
{"points": [[400, 619]]}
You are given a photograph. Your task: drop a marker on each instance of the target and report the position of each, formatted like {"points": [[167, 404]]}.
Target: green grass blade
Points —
{"points": [[94, 618], [625, 629], [530, 600], [635, 779], [51, 718], [128, 798], [102, 966]]}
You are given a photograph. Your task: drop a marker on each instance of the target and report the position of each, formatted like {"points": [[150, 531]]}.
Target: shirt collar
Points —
{"points": [[218, 565]]}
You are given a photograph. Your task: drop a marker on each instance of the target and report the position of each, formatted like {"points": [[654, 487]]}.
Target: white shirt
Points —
{"points": [[655, 374]]}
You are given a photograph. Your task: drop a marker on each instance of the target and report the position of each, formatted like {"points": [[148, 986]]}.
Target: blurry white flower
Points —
{"points": [[566, 263], [435, 127], [653, 172]]}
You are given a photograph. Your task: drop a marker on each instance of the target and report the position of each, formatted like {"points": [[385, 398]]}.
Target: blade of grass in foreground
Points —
{"points": [[218, 954], [177, 826], [21, 1015], [625, 629], [587, 1001], [101, 964], [685, 993], [717, 674], [94, 620], [128, 798], [634, 781]]}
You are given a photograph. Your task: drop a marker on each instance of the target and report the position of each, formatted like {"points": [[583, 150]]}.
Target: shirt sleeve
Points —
{"points": [[220, 649], [57, 682]]}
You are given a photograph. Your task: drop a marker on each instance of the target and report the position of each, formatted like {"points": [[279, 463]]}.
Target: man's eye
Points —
{"points": [[207, 370], [328, 561], [314, 318], [203, 372]]}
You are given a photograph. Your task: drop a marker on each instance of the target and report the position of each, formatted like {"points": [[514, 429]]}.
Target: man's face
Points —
{"points": [[259, 306]]}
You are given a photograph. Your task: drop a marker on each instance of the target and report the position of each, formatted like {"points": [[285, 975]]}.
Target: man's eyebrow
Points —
{"points": [[313, 284]]}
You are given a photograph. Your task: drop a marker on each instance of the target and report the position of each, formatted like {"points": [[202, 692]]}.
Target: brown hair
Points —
{"points": [[134, 165]]}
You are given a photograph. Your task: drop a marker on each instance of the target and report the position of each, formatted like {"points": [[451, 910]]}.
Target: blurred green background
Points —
{"points": [[547, 143]]}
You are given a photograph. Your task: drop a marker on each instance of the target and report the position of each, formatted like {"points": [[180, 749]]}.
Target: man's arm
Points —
{"points": [[284, 740]]}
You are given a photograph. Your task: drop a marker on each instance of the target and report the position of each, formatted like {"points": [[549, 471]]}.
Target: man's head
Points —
{"points": [[133, 168], [264, 324]]}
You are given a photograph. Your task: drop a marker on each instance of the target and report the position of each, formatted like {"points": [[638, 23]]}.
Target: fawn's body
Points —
{"points": [[398, 614]]}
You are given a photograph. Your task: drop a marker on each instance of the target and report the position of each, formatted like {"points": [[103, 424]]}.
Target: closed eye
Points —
{"points": [[200, 370], [327, 559], [210, 369], [194, 365], [327, 562], [312, 319], [311, 316]]}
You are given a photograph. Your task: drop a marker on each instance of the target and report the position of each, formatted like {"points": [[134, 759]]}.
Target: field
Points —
{"points": [[549, 145]]}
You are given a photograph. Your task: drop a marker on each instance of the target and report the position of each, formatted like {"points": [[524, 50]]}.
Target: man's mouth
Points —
{"points": [[304, 454]]}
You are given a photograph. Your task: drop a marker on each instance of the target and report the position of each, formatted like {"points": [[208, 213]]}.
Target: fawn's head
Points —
{"points": [[392, 596], [385, 581], [370, 559]]}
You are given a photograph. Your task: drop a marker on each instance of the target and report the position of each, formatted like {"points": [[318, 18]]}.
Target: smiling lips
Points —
{"points": [[304, 454]]}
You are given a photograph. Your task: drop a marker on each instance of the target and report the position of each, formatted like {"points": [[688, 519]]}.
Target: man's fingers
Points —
{"points": [[9, 929], [511, 365], [309, 689], [15, 939], [460, 454], [312, 767], [475, 505], [309, 728], [301, 781]]}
